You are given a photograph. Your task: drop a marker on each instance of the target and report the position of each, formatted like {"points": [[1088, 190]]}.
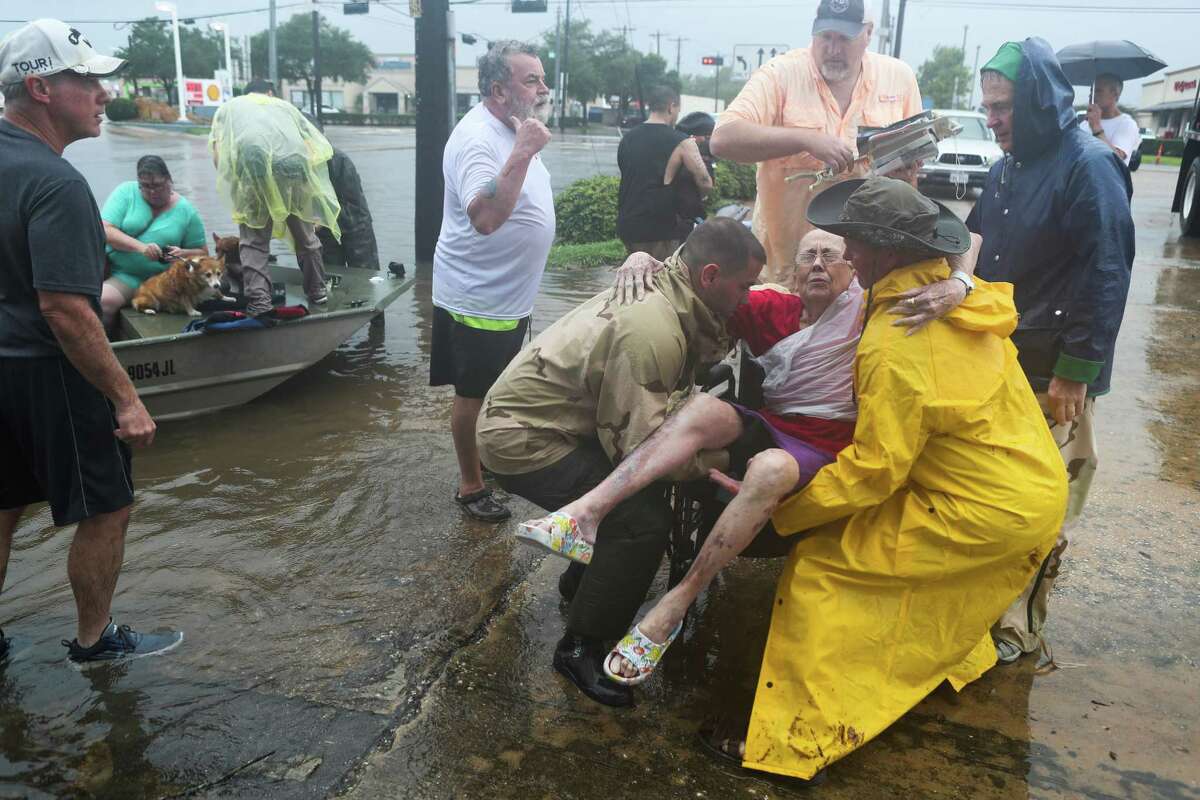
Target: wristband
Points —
{"points": [[966, 279]]}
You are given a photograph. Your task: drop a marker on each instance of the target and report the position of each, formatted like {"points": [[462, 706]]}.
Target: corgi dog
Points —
{"points": [[177, 289], [229, 247]]}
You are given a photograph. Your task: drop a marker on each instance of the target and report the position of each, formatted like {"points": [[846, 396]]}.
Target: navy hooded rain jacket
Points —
{"points": [[1056, 223]]}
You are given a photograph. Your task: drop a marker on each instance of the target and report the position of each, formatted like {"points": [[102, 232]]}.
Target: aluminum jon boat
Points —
{"points": [[180, 375]]}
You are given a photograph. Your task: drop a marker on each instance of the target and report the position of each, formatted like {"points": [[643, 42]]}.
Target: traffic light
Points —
{"points": [[356, 8], [528, 6], [713, 61]]}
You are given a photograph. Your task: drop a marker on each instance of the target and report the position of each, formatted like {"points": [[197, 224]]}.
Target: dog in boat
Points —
{"points": [[181, 286], [229, 248]]}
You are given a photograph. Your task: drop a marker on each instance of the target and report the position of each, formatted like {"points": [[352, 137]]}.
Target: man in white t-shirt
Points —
{"points": [[1107, 123], [497, 228]]}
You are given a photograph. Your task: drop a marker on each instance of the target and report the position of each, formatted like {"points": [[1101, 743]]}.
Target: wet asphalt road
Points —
{"points": [[349, 628]]}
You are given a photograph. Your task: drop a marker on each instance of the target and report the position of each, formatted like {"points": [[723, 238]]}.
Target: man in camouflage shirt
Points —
{"points": [[583, 395]]}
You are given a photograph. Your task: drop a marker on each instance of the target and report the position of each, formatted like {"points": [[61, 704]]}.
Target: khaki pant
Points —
{"points": [[255, 246], [1021, 625]]}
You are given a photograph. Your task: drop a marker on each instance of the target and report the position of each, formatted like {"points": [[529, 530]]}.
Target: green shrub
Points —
{"points": [[587, 210], [732, 182], [608, 253], [121, 108], [1171, 147]]}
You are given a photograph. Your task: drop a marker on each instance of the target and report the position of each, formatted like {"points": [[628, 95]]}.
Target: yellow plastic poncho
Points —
{"points": [[926, 528], [271, 163]]}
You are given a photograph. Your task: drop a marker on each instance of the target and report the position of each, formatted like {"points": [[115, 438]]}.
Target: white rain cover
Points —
{"points": [[811, 372]]}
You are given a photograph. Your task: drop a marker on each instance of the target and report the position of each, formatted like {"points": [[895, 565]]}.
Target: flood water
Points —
{"points": [[346, 627]]}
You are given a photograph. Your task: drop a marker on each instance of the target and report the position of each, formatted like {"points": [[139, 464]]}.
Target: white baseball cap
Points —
{"points": [[50, 46]]}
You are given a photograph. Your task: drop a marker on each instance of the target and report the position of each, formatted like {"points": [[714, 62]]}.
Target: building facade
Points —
{"points": [[390, 88], [1167, 101]]}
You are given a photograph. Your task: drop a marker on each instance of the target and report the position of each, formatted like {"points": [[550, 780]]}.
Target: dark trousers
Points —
{"points": [[630, 542]]}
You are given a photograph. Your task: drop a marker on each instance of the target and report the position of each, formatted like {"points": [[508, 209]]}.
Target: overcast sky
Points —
{"points": [[710, 26]]}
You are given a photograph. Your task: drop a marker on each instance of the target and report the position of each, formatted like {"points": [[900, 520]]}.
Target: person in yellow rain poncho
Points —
{"points": [[271, 167], [924, 529]]}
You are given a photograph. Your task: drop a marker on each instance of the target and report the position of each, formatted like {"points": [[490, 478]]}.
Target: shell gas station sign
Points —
{"points": [[203, 92]]}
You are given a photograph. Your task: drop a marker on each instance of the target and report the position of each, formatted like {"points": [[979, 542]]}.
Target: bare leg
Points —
{"points": [[770, 476], [464, 415], [93, 565], [704, 423], [8, 523], [113, 297]]}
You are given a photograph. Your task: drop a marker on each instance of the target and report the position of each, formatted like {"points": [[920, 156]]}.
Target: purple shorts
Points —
{"points": [[809, 458]]}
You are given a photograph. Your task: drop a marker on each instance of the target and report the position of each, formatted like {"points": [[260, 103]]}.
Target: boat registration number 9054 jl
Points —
{"points": [[151, 369]]}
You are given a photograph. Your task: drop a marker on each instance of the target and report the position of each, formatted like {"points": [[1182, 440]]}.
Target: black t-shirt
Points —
{"points": [[646, 209], [50, 239]]}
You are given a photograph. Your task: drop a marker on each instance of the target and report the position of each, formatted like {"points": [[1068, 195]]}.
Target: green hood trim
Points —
{"points": [[1007, 61]]}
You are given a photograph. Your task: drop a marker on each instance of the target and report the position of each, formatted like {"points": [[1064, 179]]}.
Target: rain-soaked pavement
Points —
{"points": [[349, 634]]}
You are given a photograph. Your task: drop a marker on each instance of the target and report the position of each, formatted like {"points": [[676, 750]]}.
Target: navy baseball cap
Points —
{"points": [[840, 16]]}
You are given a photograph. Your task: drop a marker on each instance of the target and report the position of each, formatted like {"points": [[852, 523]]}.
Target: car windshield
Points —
{"points": [[973, 128]]}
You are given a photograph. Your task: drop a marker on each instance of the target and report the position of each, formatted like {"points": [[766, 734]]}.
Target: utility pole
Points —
{"points": [[962, 63], [566, 52], [316, 36], [885, 28], [558, 45], [899, 29], [272, 56], [625, 31], [435, 118], [974, 79], [657, 36], [678, 40]]}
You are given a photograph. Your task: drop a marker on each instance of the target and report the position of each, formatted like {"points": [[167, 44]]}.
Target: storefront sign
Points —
{"points": [[1184, 86], [202, 92]]}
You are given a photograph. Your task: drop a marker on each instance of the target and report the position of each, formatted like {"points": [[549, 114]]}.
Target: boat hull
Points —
{"points": [[184, 375]]}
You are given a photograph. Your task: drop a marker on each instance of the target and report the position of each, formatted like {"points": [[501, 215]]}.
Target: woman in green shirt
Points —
{"points": [[145, 221]]}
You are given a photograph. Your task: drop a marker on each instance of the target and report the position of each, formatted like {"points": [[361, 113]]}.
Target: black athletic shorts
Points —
{"points": [[469, 358], [58, 443]]}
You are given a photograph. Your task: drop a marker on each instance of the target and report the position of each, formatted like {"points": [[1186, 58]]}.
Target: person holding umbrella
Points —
{"points": [[1107, 122], [1105, 66]]}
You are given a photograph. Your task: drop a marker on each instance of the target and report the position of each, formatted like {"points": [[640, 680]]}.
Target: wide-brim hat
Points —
{"points": [[49, 46], [885, 212]]}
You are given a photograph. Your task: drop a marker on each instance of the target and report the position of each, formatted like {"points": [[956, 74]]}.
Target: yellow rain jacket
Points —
{"points": [[272, 164], [925, 529]]}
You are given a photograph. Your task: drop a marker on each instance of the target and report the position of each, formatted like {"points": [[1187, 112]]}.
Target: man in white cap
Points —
{"points": [[68, 411]]}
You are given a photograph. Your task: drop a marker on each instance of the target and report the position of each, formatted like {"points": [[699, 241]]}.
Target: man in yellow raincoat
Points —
{"points": [[271, 168], [928, 525]]}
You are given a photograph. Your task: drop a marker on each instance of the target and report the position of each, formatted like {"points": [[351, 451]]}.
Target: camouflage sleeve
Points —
{"points": [[638, 374]]}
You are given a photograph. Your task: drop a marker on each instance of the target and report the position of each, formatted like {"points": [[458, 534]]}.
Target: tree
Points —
{"points": [[704, 83], [150, 51], [626, 73], [342, 56], [944, 75], [583, 80]]}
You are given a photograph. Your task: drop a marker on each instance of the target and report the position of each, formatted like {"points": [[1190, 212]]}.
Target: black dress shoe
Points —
{"points": [[581, 661], [569, 580]]}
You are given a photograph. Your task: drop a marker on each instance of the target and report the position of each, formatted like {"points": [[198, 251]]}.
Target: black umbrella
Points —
{"points": [[1085, 62]]}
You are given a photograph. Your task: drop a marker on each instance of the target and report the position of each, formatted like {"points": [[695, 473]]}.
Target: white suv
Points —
{"points": [[963, 160]]}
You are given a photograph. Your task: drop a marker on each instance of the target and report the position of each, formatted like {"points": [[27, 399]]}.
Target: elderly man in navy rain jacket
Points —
{"points": [[1055, 222]]}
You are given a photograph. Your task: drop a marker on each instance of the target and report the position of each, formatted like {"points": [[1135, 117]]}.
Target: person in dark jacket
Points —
{"points": [[358, 247], [1056, 223]]}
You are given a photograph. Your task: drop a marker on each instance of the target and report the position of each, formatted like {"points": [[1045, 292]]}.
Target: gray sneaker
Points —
{"points": [[121, 641], [1007, 652]]}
